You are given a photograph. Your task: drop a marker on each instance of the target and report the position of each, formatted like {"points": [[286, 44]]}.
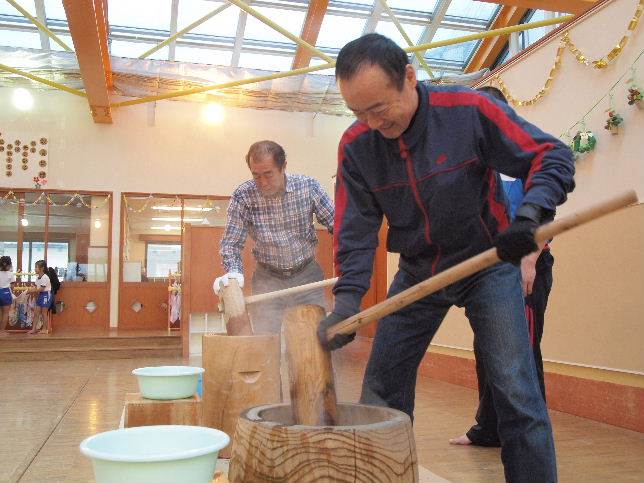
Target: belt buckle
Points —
{"points": [[287, 273]]}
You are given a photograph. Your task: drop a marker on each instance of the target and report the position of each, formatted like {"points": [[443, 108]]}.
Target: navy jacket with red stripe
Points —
{"points": [[438, 185]]}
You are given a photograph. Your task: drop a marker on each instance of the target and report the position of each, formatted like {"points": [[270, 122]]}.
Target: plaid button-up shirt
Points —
{"points": [[282, 227]]}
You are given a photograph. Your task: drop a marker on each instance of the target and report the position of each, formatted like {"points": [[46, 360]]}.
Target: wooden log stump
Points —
{"points": [[312, 385], [140, 411], [241, 371], [370, 445]]}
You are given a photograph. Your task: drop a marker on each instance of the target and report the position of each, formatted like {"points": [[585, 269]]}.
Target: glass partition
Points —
{"points": [[69, 230], [151, 237], [78, 237], [9, 222]]}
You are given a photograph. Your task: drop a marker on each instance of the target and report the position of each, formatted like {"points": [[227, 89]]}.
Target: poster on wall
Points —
{"points": [[25, 158]]}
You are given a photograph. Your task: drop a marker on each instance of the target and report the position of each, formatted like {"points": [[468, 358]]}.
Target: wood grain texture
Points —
{"points": [[232, 299], [76, 297], [312, 385], [241, 371], [374, 445], [146, 412], [153, 297], [71, 400]]}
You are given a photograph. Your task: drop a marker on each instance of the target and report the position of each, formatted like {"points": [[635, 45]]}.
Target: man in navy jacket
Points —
{"points": [[427, 158]]}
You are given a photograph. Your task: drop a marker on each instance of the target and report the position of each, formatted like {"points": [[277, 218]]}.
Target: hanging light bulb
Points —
{"points": [[213, 113], [22, 99], [24, 222], [97, 224]]}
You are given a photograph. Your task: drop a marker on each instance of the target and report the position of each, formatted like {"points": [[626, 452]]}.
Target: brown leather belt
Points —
{"points": [[288, 272]]}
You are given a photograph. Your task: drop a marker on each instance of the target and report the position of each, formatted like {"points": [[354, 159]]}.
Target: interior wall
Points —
{"points": [[165, 148], [596, 309]]}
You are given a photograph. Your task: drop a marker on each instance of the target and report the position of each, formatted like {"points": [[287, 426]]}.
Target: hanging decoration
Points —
{"points": [[21, 150], [12, 199], [554, 70], [614, 118], [208, 204], [566, 42], [584, 141], [40, 182], [635, 96], [141, 209], [635, 92], [613, 121]]}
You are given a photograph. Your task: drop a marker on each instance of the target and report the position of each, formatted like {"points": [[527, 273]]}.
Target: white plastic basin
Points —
{"points": [[168, 382], [155, 454]]}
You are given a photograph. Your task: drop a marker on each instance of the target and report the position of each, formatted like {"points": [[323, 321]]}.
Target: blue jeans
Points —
{"points": [[484, 432], [495, 308]]}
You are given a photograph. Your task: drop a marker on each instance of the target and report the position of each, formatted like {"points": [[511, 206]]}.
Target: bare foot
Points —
{"points": [[461, 441]]}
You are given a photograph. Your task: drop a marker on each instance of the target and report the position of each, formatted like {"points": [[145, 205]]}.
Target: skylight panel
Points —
{"points": [[277, 63], [388, 29], [54, 9], [289, 20], [426, 6], [472, 9], [16, 38], [147, 14], [224, 24], [132, 50], [338, 30], [7, 9], [456, 53], [203, 56]]}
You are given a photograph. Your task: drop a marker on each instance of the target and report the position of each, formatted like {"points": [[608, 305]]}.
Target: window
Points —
{"points": [[78, 232], [70, 231], [161, 259], [152, 232], [150, 221]]}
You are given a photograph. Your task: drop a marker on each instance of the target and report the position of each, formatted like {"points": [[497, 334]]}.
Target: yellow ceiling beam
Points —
{"points": [[401, 30], [490, 48], [40, 25], [184, 31], [262, 18], [306, 70]]}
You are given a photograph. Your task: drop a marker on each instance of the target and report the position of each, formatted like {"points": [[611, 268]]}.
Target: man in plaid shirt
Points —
{"points": [[276, 209]]}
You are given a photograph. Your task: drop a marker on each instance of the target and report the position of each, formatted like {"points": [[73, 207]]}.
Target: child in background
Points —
{"points": [[43, 286], [6, 296]]}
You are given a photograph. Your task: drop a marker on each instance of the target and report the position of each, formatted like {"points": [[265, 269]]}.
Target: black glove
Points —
{"points": [[517, 241], [338, 340]]}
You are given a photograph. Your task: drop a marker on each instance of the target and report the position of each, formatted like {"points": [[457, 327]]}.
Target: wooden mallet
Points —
{"points": [[311, 375], [233, 303]]}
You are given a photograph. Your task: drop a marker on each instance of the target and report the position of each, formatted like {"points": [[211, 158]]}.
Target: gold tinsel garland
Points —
{"points": [[564, 42], [150, 198], [12, 199]]}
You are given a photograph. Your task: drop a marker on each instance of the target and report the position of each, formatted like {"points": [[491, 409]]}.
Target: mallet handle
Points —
{"points": [[479, 262], [262, 297]]}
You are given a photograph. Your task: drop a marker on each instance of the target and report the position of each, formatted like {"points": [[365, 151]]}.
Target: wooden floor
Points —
{"points": [[89, 344], [46, 409]]}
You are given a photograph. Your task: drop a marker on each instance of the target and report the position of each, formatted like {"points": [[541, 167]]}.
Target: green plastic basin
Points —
{"points": [[155, 454], [168, 382]]}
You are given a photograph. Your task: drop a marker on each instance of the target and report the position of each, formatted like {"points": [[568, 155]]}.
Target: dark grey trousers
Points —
{"points": [[267, 316]]}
